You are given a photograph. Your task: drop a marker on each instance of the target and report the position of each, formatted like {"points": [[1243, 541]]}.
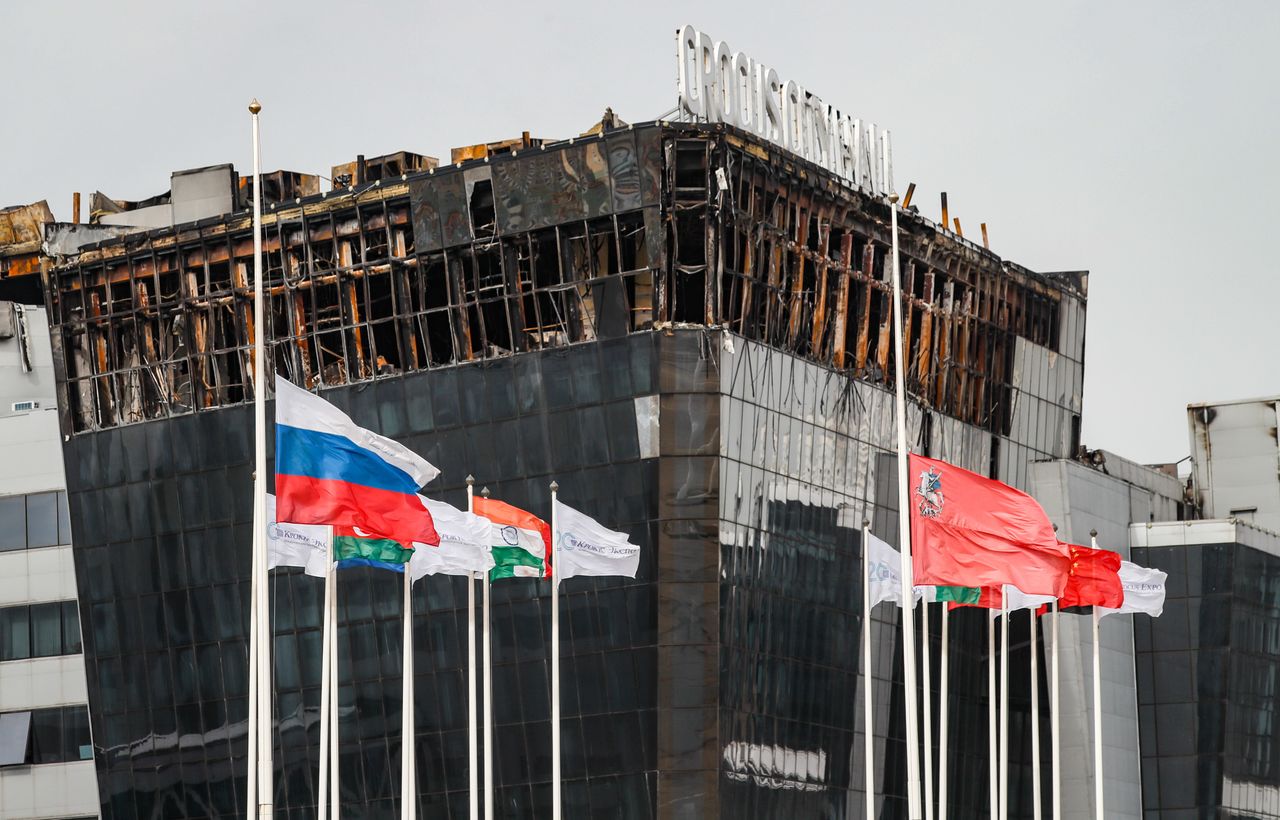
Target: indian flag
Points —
{"points": [[520, 540], [353, 547]]}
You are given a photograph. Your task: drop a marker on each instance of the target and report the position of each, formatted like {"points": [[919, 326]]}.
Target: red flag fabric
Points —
{"points": [[1094, 579], [969, 530]]}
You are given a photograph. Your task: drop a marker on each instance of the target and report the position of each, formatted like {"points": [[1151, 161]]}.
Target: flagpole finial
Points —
{"points": [[555, 487], [1055, 527], [865, 523], [255, 106], [484, 491], [1093, 533], [893, 197], [471, 480]]}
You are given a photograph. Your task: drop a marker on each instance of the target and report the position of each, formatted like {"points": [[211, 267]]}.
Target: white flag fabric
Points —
{"points": [[1143, 591], [583, 546], [885, 568], [464, 544], [1021, 600], [296, 545]]}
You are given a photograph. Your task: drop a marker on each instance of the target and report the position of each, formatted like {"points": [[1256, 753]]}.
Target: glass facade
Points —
{"points": [[163, 518], [722, 682], [557, 313], [1207, 684]]}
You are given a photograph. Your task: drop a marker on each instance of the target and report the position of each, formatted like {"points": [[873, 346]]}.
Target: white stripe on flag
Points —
{"points": [[299, 408]]}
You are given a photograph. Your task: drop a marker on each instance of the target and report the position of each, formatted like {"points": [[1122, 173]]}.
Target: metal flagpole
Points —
{"points": [[1035, 721], [251, 728], [867, 711], [261, 638], [944, 674], [488, 697], [926, 674], [407, 790], [473, 773], [1004, 704], [904, 536], [993, 745], [334, 756], [1055, 722], [1098, 780], [326, 688], [555, 662]]}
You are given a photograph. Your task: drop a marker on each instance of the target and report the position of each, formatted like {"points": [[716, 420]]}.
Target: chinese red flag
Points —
{"points": [[1094, 579], [972, 531]]}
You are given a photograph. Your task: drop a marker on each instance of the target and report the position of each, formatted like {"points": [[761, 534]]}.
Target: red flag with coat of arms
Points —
{"points": [[972, 531]]}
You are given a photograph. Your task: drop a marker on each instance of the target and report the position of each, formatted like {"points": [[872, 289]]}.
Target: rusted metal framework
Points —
{"points": [[549, 245]]}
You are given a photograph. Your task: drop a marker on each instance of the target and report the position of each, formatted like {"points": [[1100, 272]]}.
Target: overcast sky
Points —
{"points": [[1137, 140]]}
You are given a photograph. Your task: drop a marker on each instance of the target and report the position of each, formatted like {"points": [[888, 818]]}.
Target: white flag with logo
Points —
{"points": [[1143, 591], [884, 565], [583, 546], [296, 545], [464, 544]]}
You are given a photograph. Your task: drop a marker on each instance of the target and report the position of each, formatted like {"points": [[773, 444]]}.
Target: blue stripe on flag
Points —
{"points": [[348, 563], [325, 455]]}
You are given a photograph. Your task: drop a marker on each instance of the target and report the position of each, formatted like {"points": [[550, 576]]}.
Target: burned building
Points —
{"points": [[684, 325]]}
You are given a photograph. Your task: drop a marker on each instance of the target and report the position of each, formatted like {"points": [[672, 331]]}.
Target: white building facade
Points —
{"points": [[46, 750]]}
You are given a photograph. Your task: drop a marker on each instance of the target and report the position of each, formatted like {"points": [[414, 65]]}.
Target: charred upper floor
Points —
{"points": [[632, 229]]}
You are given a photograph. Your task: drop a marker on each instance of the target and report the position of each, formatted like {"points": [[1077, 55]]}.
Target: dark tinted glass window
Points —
{"points": [[46, 736], [15, 633], [70, 628], [58, 735], [46, 630], [64, 520], [13, 522], [42, 520]]}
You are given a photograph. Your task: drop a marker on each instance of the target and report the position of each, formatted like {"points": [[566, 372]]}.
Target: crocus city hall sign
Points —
{"points": [[718, 84]]}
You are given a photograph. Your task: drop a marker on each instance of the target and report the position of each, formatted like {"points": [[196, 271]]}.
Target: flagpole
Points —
{"points": [[326, 687], [407, 807], [904, 536], [473, 784], [1035, 722], [251, 728], [262, 645], [944, 674], [1098, 779], [869, 787], [334, 723], [1004, 705], [555, 663], [1055, 722], [993, 746], [926, 673], [488, 696]]}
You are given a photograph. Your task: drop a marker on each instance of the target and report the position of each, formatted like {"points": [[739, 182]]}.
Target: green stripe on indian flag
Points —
{"points": [[513, 562]]}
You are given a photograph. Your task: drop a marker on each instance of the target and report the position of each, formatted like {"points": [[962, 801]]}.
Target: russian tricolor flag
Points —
{"points": [[331, 471]]}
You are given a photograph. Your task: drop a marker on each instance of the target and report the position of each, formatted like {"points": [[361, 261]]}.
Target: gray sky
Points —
{"points": [[1138, 140]]}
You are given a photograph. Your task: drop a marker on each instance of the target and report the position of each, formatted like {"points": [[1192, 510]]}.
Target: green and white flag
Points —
{"points": [[586, 547], [464, 544]]}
